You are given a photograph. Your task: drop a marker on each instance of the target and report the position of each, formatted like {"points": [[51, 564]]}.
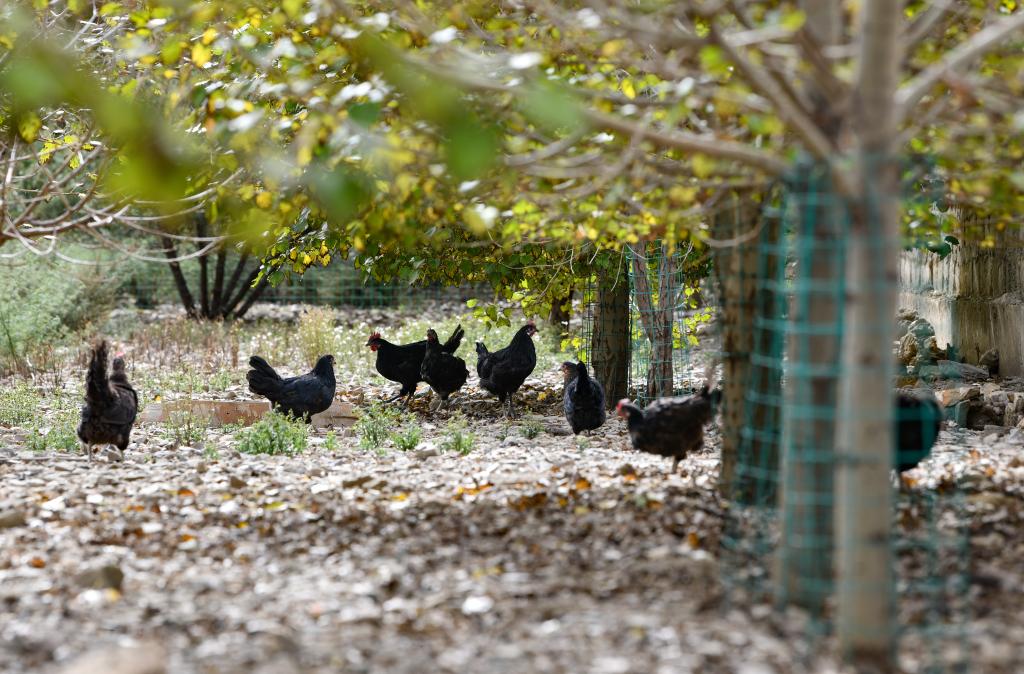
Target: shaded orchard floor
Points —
{"points": [[526, 554]]}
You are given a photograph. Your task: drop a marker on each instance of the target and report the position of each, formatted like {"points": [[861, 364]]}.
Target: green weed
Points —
{"points": [[531, 428], [185, 428], [274, 434], [375, 424], [18, 404], [407, 438], [457, 437]]}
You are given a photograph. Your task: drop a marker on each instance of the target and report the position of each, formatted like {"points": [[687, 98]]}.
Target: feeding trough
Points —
{"points": [[217, 413]]}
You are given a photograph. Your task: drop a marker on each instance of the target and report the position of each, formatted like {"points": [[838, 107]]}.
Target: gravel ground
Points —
{"points": [[527, 554]]}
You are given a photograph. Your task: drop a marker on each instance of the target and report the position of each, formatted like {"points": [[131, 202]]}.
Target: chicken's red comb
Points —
{"points": [[119, 354]]}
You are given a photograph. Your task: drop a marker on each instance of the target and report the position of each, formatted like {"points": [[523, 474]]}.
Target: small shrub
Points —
{"points": [[18, 404], [407, 438], [274, 434], [331, 441], [316, 334], [36, 441], [375, 424], [458, 438], [184, 427], [531, 428], [211, 453]]}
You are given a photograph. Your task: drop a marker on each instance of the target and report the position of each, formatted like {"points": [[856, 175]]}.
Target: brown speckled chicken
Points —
{"points": [[670, 426]]}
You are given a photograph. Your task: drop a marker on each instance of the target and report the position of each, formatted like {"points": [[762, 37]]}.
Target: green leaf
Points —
{"points": [[342, 192], [552, 107], [364, 113], [471, 149]]}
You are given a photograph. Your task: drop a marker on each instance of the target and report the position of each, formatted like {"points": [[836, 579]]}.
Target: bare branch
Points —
{"points": [[980, 43]]}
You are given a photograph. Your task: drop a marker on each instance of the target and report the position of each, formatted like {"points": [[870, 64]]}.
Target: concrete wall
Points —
{"points": [[974, 299]]}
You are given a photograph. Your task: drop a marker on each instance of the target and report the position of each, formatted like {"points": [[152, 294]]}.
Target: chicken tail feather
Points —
{"points": [[262, 378], [96, 389], [455, 341]]}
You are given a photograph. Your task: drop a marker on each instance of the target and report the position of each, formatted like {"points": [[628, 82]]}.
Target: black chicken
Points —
{"points": [[583, 398], [401, 362], [300, 397], [670, 426], [918, 422], [505, 370], [111, 403], [442, 371]]}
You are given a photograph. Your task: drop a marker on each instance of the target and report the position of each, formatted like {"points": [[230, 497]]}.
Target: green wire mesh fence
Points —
{"points": [[339, 284], [787, 306]]}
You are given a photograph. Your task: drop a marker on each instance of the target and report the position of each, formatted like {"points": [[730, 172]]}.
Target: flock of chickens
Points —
{"points": [[671, 427]]}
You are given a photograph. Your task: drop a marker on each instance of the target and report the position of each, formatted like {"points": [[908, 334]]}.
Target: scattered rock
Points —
{"points": [[236, 482], [142, 659], [948, 369], [907, 351], [990, 361], [921, 329], [952, 396], [12, 518], [904, 317], [103, 577]]}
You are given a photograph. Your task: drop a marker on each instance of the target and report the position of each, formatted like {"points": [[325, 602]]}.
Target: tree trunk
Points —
{"points": [[749, 465], [204, 295], [763, 429], [656, 321], [609, 346], [865, 606], [804, 571], [216, 301], [179, 279]]}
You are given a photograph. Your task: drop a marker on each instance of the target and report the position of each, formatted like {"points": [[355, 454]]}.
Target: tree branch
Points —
{"points": [[984, 41], [787, 108]]}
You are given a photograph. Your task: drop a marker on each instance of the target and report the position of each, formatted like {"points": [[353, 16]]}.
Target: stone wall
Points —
{"points": [[974, 299]]}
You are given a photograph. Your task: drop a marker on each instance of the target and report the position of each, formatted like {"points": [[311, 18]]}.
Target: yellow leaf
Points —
{"points": [[693, 539], [306, 259], [612, 47], [264, 199], [209, 35], [28, 127], [703, 166], [682, 196], [200, 55], [628, 90], [793, 20]]}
